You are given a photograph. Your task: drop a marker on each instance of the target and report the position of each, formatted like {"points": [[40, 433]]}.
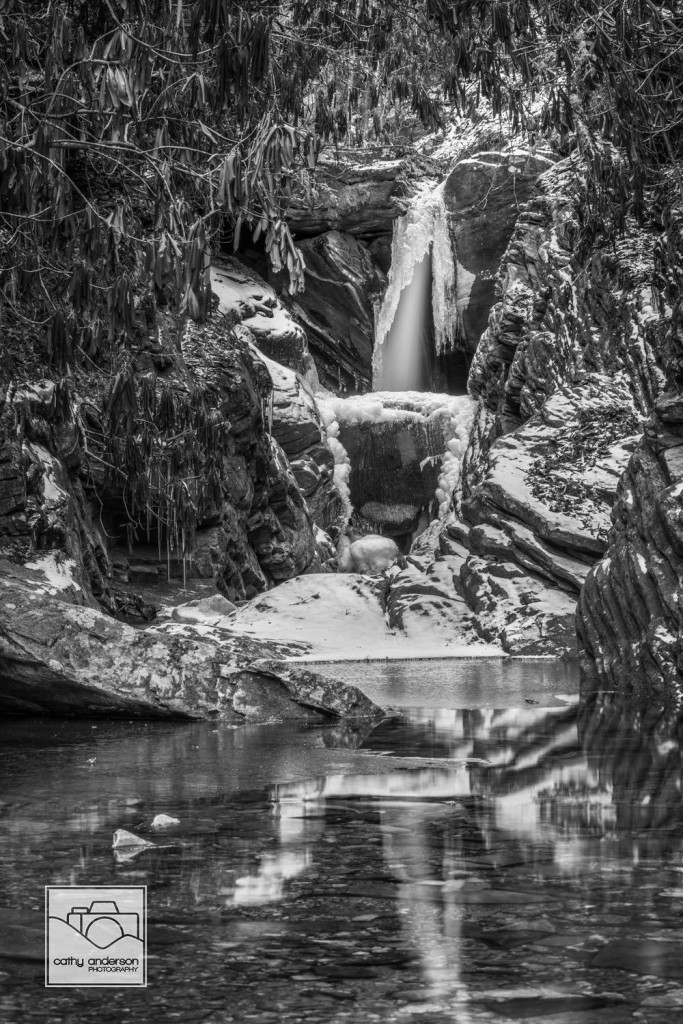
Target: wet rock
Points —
{"points": [[318, 692], [343, 285], [124, 840]]}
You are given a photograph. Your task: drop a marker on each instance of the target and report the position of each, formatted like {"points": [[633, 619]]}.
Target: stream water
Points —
{"points": [[440, 865]]}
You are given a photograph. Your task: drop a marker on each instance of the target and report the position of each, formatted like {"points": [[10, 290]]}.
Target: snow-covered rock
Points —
{"points": [[246, 299], [62, 658], [567, 371]]}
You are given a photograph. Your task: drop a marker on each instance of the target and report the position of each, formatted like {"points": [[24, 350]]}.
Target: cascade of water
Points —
{"points": [[421, 243]]}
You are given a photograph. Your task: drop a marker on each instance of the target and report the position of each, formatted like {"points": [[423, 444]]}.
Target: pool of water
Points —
{"points": [[441, 865], [459, 682]]}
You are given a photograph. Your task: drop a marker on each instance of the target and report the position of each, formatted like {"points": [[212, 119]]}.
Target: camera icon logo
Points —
{"points": [[101, 919]]}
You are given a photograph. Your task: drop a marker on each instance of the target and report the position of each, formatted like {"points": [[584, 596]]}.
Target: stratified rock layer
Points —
{"points": [[360, 199], [566, 375], [630, 618]]}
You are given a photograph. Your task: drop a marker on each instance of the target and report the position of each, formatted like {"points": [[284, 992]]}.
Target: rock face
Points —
{"points": [[394, 471], [246, 299], [630, 621], [483, 195], [566, 377], [63, 658], [252, 525], [343, 284], [360, 199], [298, 428]]}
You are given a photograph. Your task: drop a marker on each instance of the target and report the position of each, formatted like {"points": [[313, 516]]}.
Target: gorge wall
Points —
{"points": [[566, 374], [218, 458]]}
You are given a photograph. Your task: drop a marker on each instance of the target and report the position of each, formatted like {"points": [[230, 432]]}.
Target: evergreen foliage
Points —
{"points": [[137, 135]]}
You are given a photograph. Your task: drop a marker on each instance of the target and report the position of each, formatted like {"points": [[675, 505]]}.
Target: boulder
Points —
{"points": [[57, 657], [247, 300]]}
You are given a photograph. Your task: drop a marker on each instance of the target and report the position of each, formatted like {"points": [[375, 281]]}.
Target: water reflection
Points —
{"points": [[525, 862]]}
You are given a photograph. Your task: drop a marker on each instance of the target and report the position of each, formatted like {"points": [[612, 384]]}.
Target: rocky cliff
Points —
{"points": [[630, 624], [566, 373], [214, 456]]}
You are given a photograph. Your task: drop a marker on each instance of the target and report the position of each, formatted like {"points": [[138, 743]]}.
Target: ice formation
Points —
{"points": [[342, 463], [456, 413], [422, 232]]}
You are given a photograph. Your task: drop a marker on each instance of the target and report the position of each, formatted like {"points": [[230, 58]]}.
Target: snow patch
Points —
{"points": [[57, 570]]}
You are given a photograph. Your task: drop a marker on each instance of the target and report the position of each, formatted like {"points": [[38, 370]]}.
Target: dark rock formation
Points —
{"points": [[361, 199], [630, 620], [483, 195], [343, 283], [395, 467], [298, 427], [392, 463], [58, 657], [252, 524]]}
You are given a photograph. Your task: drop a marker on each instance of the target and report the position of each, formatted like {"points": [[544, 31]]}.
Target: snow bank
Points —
{"points": [[341, 618]]}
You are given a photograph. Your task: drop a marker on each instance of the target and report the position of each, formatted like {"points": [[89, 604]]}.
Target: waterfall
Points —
{"points": [[421, 256]]}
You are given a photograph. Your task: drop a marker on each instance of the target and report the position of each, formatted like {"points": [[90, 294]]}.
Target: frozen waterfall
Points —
{"points": [[419, 301]]}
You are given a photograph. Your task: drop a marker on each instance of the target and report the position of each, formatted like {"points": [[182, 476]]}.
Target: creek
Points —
{"points": [[443, 864]]}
